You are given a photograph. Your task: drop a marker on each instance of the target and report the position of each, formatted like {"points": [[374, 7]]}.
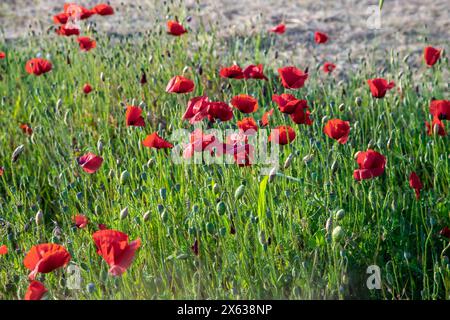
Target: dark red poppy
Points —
{"points": [[440, 109], [292, 78], [328, 67], [254, 72], [337, 129], [265, 118], [38, 66], [220, 110], [282, 135], [102, 226], [61, 18], [133, 117], [2, 55], [103, 9], [179, 84], [248, 126], [3, 250], [431, 55], [115, 248], [415, 183], [379, 87], [436, 126], [175, 28], [90, 162], [44, 258], [371, 164], [233, 72], [194, 247], [77, 11], [320, 37], [287, 103], [26, 129], [68, 31], [301, 116], [86, 43], [445, 232], [143, 79], [279, 29], [245, 103], [155, 141], [35, 291], [80, 221], [87, 88], [197, 109]]}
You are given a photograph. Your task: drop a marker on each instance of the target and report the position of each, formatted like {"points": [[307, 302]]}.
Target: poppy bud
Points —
{"points": [[147, 216], [328, 225], [90, 288], [124, 213], [288, 161], [239, 192], [17, 153], [216, 188], [272, 174], [164, 216], [210, 227], [221, 208], [436, 129], [337, 234], [358, 101], [308, 158], [324, 119], [389, 143], [342, 107], [340, 214], [124, 176], [111, 174], [160, 208], [100, 145], [371, 144], [163, 193], [262, 237], [39, 218], [102, 77]]}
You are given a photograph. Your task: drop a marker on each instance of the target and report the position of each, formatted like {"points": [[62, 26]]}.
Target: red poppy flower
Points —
{"points": [[265, 118], [45, 258], [245, 103], [292, 78], [86, 43], [282, 135], [2, 171], [80, 221], [174, 28], [438, 124], [248, 126], [199, 142], [90, 162], [301, 116], [233, 72], [3, 250], [155, 141], [280, 29], [38, 66], [440, 109], [328, 67], [102, 226], [415, 183], [77, 11], [254, 72], [35, 291], [87, 88], [320, 37], [431, 55], [133, 117], [197, 109], [220, 110], [287, 103], [244, 155], [115, 248], [445, 232], [103, 9], [61, 18], [179, 84], [379, 87], [26, 129], [337, 129], [371, 164], [68, 31], [2, 55]]}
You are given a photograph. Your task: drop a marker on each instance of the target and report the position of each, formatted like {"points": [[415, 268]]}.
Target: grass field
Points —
{"points": [[310, 232]]}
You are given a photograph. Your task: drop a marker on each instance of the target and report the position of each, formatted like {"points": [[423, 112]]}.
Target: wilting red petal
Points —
{"points": [[245, 103], [415, 183], [133, 117], [440, 109], [35, 291], [179, 84], [233, 72], [87, 88], [90, 162], [379, 87], [320, 37], [265, 118], [86, 43], [3, 249], [337, 129], [80, 221], [155, 141], [371, 164], [282, 134], [431, 55], [38, 66], [68, 31], [175, 28], [279, 29], [45, 258], [292, 78], [254, 72], [103, 9], [328, 67]]}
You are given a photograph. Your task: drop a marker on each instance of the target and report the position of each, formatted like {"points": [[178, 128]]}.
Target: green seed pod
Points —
{"points": [[124, 176], [221, 208], [124, 213], [239, 192], [147, 216], [337, 234]]}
